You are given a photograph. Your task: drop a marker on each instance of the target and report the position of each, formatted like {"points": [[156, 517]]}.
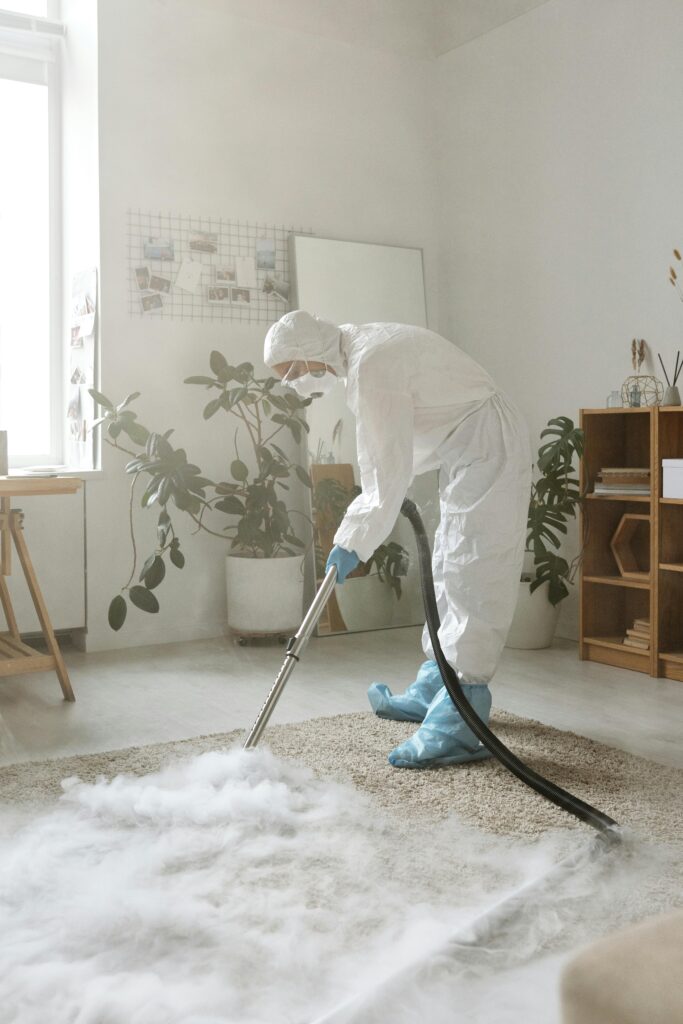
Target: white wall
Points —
{"points": [[561, 169], [208, 113]]}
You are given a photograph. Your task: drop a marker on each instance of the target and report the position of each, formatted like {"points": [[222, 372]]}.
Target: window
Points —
{"points": [[30, 280]]}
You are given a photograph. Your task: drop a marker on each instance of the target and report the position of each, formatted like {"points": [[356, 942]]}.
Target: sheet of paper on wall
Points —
{"points": [[245, 271], [83, 305], [189, 275], [80, 412]]}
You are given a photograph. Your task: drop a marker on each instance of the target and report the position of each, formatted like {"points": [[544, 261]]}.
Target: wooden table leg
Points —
{"points": [[5, 538], [16, 527], [7, 608]]}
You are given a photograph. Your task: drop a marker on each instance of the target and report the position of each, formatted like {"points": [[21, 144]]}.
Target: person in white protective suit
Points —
{"points": [[421, 404]]}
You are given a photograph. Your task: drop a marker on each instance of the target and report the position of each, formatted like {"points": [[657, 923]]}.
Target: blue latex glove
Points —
{"points": [[344, 562]]}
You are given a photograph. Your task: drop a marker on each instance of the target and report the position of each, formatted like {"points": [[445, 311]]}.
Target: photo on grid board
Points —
{"points": [[159, 284], [265, 254], [142, 276], [240, 296], [224, 275], [158, 249], [151, 302], [203, 241], [219, 296]]}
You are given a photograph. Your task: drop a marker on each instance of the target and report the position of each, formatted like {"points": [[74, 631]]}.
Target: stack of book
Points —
{"points": [[629, 480], [639, 635]]}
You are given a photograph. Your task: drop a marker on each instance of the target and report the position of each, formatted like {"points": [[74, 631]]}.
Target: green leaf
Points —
{"points": [[208, 381], [238, 470], [155, 573], [303, 476], [234, 397], [101, 399], [114, 429], [231, 505], [244, 372], [219, 365], [177, 557], [127, 400], [117, 612], [137, 433], [163, 527], [144, 599], [148, 565], [212, 407]]}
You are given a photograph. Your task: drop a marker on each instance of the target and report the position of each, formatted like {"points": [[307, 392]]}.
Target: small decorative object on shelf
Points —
{"points": [[630, 546], [640, 389], [614, 400], [672, 395]]}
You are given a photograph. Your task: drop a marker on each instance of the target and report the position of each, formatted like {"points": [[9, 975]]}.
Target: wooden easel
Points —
{"points": [[16, 657]]}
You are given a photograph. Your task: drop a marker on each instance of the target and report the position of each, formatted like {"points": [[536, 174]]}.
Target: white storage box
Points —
{"points": [[672, 486]]}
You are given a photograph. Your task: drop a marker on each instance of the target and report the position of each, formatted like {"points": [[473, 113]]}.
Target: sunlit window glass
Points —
{"points": [[24, 269]]}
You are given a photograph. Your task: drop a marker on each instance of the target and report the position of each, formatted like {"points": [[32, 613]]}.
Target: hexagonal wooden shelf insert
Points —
{"points": [[631, 546]]}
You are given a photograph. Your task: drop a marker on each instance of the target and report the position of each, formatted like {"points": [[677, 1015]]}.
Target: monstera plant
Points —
{"points": [[248, 511], [555, 499]]}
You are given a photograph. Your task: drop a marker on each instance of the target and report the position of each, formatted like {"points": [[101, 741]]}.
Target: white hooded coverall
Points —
{"points": [[421, 404]]}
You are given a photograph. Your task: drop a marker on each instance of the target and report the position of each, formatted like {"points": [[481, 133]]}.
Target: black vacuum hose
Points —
{"points": [[531, 778]]}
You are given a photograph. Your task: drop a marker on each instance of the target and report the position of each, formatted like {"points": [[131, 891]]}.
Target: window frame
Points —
{"points": [[35, 66]]}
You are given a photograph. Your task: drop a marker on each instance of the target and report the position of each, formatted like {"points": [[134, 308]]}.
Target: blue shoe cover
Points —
{"points": [[412, 705], [443, 737]]}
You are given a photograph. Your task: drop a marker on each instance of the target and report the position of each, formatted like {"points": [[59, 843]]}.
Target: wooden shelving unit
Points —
{"points": [[609, 603]]}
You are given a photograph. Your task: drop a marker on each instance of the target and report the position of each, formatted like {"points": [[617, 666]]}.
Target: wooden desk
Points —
{"points": [[16, 657]]}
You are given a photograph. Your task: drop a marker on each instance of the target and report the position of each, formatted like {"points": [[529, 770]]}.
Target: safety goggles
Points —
{"points": [[301, 367]]}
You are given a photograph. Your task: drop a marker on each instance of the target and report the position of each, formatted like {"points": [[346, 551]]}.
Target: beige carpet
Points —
{"points": [[640, 794]]}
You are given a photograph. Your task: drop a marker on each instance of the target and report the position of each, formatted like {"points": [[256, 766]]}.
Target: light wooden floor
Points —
{"points": [[153, 694]]}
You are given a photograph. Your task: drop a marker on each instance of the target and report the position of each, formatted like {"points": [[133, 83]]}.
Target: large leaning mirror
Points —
{"points": [[359, 282]]}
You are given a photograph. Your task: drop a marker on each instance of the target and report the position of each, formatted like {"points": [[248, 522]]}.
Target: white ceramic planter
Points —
{"points": [[535, 619], [365, 602], [265, 595]]}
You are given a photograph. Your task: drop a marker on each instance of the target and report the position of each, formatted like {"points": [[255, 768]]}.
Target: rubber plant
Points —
{"points": [[555, 499], [258, 518], [389, 561]]}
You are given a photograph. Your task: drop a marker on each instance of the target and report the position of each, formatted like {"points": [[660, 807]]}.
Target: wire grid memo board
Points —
{"points": [[168, 237]]}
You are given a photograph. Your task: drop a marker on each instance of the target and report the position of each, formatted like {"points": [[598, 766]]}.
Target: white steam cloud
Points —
{"points": [[238, 889]]}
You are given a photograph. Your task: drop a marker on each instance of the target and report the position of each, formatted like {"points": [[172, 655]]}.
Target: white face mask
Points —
{"points": [[308, 386]]}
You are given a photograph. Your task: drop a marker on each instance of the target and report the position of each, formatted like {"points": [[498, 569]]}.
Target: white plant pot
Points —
{"points": [[535, 619], [365, 602], [265, 595]]}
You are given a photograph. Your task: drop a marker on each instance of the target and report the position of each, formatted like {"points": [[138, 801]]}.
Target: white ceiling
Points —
{"points": [[418, 28]]}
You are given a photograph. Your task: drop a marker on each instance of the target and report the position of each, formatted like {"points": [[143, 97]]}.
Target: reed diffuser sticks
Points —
{"points": [[677, 369]]}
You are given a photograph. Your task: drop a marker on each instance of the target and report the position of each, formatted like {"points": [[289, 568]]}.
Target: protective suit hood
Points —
{"points": [[298, 335]]}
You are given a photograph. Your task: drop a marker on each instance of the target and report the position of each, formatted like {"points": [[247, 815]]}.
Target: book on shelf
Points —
{"points": [[639, 634], [641, 624], [621, 489], [627, 480], [640, 645]]}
